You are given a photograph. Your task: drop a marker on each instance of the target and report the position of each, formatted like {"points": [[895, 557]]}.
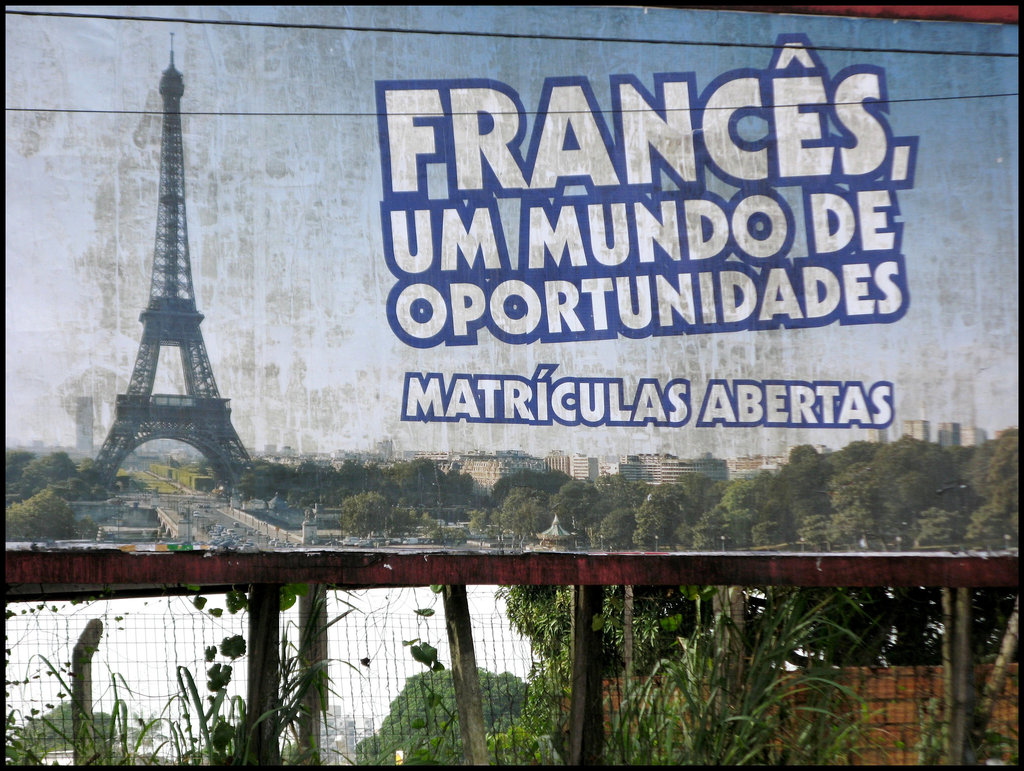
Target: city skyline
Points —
{"points": [[284, 185]]}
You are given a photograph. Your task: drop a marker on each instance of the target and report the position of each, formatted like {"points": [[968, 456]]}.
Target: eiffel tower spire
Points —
{"points": [[172, 273], [201, 417]]}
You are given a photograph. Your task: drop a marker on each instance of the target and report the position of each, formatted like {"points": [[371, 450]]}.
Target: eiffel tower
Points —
{"points": [[200, 418]]}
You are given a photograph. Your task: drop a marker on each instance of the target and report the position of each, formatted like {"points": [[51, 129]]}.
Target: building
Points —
{"points": [[971, 436], [384, 449], [344, 732], [486, 469], [557, 461], [917, 429], [949, 434], [668, 469], [630, 468], [749, 466], [577, 466], [584, 467], [83, 424], [876, 435]]}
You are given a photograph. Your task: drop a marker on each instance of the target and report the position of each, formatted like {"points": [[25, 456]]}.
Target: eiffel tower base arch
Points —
{"points": [[203, 423]]}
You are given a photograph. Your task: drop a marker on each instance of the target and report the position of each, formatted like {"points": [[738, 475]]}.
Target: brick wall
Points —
{"points": [[905, 711]]}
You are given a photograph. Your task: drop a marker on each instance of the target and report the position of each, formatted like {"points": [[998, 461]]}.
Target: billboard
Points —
{"points": [[605, 231]]}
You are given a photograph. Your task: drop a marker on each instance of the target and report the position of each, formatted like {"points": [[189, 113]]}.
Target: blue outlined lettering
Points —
{"points": [[539, 400], [796, 404], [597, 401], [618, 233]]}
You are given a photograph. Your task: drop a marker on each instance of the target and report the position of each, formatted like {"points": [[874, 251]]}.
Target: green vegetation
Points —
{"points": [[683, 702], [107, 739], [907, 494], [904, 495], [713, 681], [45, 516], [27, 475], [729, 696], [423, 720], [38, 490]]}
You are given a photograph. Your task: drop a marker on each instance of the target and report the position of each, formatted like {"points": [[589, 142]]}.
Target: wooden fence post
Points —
{"points": [[731, 602], [313, 651], [465, 676], [627, 633], [959, 675], [586, 713], [82, 729], [994, 686], [262, 702]]}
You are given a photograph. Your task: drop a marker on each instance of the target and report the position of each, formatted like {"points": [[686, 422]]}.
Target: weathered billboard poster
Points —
{"points": [[604, 231]]}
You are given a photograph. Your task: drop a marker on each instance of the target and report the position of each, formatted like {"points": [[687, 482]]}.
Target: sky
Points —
{"points": [[289, 171]]}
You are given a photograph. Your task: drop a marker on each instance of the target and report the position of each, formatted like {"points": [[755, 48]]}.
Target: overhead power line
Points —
{"points": [[243, 114], [501, 35]]}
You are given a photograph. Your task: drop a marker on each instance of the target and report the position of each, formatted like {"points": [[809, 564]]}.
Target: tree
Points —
{"points": [[732, 517], [664, 517], [578, 506], [365, 513], [617, 528], [480, 522], [801, 485], [543, 614], [52, 730], [28, 475], [423, 719], [548, 482], [939, 527], [16, 461], [524, 512], [263, 480], [1000, 514], [814, 532], [45, 516], [989, 527], [857, 498], [619, 492]]}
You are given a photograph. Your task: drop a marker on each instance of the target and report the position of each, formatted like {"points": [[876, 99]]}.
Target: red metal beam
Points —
{"points": [[74, 573]]}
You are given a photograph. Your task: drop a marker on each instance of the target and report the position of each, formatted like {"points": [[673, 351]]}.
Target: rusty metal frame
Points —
{"points": [[112, 572]]}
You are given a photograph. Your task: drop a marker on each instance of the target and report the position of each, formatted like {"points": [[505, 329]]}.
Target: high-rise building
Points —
{"points": [[630, 468], [917, 429], [971, 436], [949, 434], [876, 435], [666, 469], [583, 467], [83, 424], [557, 461]]}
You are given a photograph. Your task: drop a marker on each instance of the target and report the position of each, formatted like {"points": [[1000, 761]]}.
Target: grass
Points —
{"points": [[705, 706]]}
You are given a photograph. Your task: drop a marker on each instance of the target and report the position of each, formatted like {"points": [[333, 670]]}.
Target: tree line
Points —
{"points": [[906, 494]]}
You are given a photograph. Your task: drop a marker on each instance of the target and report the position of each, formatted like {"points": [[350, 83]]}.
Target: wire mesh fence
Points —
{"points": [[146, 642]]}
